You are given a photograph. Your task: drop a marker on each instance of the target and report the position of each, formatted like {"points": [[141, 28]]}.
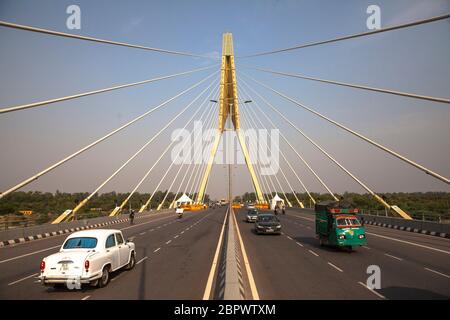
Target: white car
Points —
{"points": [[88, 257], [252, 215]]}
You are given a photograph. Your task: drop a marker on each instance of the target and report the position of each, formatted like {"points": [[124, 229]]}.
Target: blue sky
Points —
{"points": [[35, 67]]}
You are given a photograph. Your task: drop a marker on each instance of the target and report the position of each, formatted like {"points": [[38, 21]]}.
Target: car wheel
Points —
{"points": [[132, 262], [103, 281]]}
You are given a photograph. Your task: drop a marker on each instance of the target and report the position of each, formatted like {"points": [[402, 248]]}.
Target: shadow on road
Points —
{"points": [[313, 242], [142, 283], [405, 293]]}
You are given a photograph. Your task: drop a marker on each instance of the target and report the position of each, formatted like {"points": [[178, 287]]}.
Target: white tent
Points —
{"points": [[184, 199], [276, 201]]}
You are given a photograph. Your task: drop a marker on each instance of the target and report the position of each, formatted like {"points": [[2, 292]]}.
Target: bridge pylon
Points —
{"points": [[229, 107]]}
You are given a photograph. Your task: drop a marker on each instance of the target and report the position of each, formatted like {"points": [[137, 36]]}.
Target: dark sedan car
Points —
{"points": [[267, 223]]}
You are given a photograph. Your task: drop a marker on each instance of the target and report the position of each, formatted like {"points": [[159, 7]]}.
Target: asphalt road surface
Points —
{"points": [[295, 266], [175, 257]]}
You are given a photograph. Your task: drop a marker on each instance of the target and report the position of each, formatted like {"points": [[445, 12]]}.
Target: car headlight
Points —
{"points": [[361, 236], [341, 236], [278, 227], [261, 227]]}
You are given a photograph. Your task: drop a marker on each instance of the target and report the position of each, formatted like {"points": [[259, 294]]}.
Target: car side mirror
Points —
{"points": [[128, 240]]}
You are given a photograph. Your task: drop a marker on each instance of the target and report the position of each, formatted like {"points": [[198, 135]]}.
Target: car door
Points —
{"points": [[124, 251], [112, 251]]}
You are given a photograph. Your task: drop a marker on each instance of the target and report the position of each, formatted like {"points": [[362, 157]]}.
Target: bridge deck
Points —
{"points": [[291, 266]]}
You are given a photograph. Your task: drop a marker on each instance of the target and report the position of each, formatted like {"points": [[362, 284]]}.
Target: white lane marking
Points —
{"points": [[299, 244], [313, 253], [208, 288], [371, 290], [176, 236], [394, 257], [157, 250], [366, 247], [29, 254], [141, 224], [182, 232], [251, 280], [25, 278], [411, 243], [140, 261], [152, 230], [168, 241], [300, 217], [336, 267], [158, 227], [85, 298], [142, 233], [437, 272], [289, 238]]}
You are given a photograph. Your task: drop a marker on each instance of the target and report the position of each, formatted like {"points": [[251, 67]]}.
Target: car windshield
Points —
{"points": [[349, 221], [252, 212], [267, 219], [80, 243]]}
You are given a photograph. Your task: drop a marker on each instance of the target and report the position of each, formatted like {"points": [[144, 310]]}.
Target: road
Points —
{"points": [[175, 258], [294, 266]]}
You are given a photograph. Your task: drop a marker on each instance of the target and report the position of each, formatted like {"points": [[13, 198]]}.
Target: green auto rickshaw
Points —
{"points": [[337, 224]]}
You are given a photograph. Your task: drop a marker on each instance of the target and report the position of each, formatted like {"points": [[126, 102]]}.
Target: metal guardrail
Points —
{"points": [[24, 222], [8, 223], [427, 227], [418, 215], [22, 232]]}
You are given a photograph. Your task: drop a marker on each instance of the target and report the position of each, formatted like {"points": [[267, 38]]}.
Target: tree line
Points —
{"points": [[46, 204]]}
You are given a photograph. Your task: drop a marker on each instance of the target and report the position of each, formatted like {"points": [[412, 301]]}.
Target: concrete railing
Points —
{"points": [[232, 284], [426, 227]]}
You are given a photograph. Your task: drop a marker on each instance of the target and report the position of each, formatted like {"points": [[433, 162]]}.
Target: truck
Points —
{"points": [[337, 225]]}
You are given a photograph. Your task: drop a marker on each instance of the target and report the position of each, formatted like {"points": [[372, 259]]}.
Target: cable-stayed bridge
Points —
{"points": [[187, 259]]}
